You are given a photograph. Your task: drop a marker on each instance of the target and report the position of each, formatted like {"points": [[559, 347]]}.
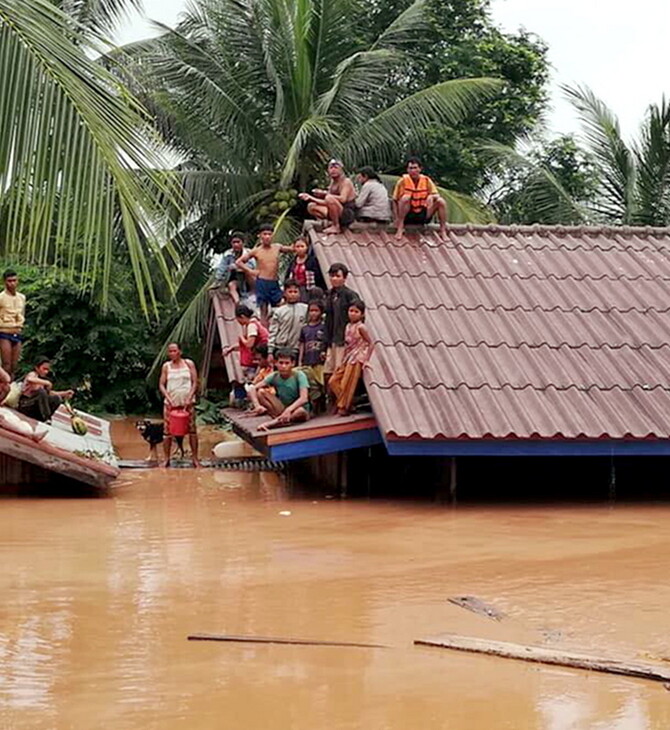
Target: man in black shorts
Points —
{"points": [[416, 200], [337, 204]]}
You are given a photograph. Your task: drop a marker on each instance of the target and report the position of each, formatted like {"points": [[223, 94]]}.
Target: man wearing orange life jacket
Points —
{"points": [[416, 200]]}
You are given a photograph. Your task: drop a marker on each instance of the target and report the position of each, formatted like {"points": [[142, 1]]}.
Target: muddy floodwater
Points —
{"points": [[99, 595]]}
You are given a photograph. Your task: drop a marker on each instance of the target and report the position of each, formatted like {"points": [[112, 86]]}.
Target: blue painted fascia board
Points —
{"points": [[660, 447], [325, 445]]}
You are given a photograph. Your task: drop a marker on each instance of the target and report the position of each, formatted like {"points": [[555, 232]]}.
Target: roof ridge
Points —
{"points": [[498, 275], [509, 386], [480, 343], [518, 307], [526, 345]]}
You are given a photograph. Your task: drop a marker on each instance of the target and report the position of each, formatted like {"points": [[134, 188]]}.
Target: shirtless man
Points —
{"points": [[337, 204], [266, 255]]}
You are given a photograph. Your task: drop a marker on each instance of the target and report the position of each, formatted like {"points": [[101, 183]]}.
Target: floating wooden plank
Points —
{"points": [[476, 605], [281, 640], [547, 656]]}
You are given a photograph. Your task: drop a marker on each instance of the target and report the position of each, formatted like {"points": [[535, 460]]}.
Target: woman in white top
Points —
{"points": [[372, 202], [178, 386]]}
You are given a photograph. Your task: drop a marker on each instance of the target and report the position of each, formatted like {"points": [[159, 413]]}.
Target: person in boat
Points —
{"points": [[266, 254], [417, 200], [337, 204], [227, 277], [38, 399], [291, 402], [178, 385], [372, 201], [12, 319]]}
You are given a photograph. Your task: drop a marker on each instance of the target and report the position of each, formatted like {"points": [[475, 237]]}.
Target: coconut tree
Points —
{"points": [[255, 95], [80, 166], [631, 180]]}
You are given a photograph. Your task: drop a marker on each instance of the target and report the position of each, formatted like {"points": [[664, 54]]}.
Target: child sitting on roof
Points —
{"points": [[358, 349], [304, 269], [291, 402]]}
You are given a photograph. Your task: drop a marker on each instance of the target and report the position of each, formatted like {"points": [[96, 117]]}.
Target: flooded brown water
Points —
{"points": [[99, 595]]}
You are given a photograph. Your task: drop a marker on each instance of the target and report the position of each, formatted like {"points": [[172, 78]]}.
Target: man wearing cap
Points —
{"points": [[337, 204]]}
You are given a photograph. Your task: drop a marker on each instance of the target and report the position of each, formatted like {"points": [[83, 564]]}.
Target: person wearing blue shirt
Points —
{"points": [[228, 277]]}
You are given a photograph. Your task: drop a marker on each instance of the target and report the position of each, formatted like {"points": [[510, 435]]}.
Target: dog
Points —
{"points": [[152, 432]]}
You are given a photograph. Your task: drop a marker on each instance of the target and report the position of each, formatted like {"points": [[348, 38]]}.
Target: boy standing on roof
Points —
{"points": [[12, 318], [287, 322], [338, 300], [266, 254], [416, 200], [337, 204]]}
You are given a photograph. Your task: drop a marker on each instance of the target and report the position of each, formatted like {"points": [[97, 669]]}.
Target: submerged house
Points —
{"points": [[530, 341]]}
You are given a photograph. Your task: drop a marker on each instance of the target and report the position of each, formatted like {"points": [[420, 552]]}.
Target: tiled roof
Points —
{"points": [[515, 332], [229, 333]]}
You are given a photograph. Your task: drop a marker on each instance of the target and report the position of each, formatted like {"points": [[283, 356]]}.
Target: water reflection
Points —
{"points": [[99, 596]]}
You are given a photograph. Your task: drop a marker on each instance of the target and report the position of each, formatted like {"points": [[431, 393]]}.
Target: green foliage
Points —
{"points": [[80, 167], [106, 353], [553, 184], [463, 42]]}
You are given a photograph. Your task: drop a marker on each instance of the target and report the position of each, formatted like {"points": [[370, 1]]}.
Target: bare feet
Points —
{"points": [[196, 464], [167, 464], [443, 233], [342, 412], [259, 411], [399, 233], [333, 230]]}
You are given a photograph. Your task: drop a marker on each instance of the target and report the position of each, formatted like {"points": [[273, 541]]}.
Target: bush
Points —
{"points": [[106, 354]]}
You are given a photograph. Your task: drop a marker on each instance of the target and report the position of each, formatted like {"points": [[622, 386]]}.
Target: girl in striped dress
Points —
{"points": [[358, 347]]}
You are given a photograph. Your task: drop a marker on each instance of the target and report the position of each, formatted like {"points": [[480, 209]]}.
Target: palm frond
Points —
{"points": [[543, 192], [99, 17], [615, 162], [406, 121], [652, 155], [77, 156]]}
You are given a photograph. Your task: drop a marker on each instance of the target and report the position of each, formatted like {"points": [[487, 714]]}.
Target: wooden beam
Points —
{"points": [[281, 640], [542, 655], [305, 434]]}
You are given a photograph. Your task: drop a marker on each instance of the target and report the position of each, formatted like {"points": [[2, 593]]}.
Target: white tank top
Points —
{"points": [[179, 384]]}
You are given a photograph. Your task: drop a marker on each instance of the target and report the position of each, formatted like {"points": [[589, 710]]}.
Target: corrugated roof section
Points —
{"points": [[515, 332]]}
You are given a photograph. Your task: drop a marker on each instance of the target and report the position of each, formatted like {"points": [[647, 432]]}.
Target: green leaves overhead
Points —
{"points": [[269, 89], [79, 164]]}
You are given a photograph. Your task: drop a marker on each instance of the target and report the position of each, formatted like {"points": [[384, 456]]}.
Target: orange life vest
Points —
{"points": [[418, 193]]}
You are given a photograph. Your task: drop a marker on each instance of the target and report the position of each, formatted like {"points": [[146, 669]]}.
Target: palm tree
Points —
{"points": [[631, 181], [80, 179], [255, 95]]}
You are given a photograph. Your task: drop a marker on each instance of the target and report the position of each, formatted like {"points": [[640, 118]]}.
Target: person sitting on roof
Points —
{"points": [[291, 403], [358, 349], [38, 398], [372, 201], [305, 270], [416, 200], [337, 204], [228, 277]]}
